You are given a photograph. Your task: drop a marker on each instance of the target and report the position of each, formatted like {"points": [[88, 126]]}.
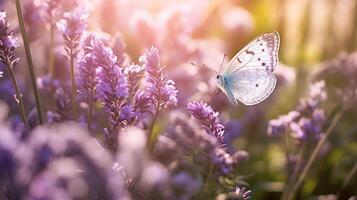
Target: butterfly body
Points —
{"points": [[248, 77]]}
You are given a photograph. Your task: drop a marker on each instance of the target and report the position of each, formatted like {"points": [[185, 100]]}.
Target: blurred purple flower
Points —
{"points": [[62, 107], [143, 25], [127, 114], [51, 8], [278, 126], [241, 193], [306, 123], [208, 119], [223, 160], [340, 76], [33, 18], [237, 193], [119, 46], [8, 42]]}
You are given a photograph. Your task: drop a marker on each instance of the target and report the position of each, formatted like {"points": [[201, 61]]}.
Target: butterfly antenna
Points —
{"points": [[220, 67], [203, 66]]}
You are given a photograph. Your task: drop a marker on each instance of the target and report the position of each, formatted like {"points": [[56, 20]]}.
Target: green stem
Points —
{"points": [[52, 58], [150, 143], [347, 180], [29, 60], [19, 97], [313, 156], [287, 151]]}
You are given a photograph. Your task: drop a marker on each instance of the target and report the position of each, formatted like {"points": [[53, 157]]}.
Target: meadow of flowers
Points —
{"points": [[99, 99]]}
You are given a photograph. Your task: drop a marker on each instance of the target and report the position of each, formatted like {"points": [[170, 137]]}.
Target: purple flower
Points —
{"points": [[127, 114], [278, 126], [134, 73], [8, 42], [240, 193], [119, 47], [307, 121], [143, 26], [208, 118], [340, 76], [162, 90], [111, 85], [33, 19], [87, 77], [223, 160], [51, 10], [72, 26]]}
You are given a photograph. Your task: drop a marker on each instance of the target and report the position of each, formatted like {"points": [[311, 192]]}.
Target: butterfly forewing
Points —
{"points": [[261, 53], [251, 86]]}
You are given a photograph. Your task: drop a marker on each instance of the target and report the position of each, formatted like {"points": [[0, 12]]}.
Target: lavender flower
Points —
{"points": [[143, 25], [237, 193], [208, 118], [62, 107], [278, 126], [133, 73], [240, 193], [72, 26], [8, 43], [339, 75], [112, 87], [33, 18], [162, 90], [51, 10], [307, 121], [223, 160], [119, 47]]}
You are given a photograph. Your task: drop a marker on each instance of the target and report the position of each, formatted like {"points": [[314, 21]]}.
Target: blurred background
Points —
{"points": [[318, 42]]}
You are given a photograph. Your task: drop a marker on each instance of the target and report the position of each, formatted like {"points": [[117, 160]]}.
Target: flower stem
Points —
{"points": [[150, 143], [313, 156], [19, 97], [90, 110], [29, 60], [51, 59], [73, 80], [347, 180]]}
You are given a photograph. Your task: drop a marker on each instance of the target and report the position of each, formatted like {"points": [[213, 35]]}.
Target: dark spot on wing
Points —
{"points": [[259, 59], [262, 50], [249, 52], [256, 85], [263, 64], [239, 60]]}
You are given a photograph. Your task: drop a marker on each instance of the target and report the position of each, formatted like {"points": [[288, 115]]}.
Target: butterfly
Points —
{"points": [[249, 77]]}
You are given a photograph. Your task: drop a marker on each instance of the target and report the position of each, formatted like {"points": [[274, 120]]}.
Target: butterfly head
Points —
{"points": [[221, 81]]}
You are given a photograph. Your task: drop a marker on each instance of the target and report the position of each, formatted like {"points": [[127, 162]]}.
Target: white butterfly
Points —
{"points": [[248, 76]]}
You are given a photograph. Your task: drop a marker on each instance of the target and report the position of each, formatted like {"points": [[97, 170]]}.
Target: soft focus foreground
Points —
{"points": [[127, 116]]}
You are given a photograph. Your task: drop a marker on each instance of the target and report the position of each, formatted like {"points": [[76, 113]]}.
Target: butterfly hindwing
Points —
{"points": [[261, 53], [251, 86]]}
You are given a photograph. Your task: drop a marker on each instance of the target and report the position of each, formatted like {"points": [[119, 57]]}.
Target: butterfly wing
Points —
{"points": [[250, 86], [248, 76], [261, 53]]}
